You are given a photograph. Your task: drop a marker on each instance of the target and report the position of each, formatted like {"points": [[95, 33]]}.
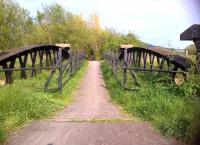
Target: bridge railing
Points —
{"points": [[34, 59], [66, 69], [126, 62]]}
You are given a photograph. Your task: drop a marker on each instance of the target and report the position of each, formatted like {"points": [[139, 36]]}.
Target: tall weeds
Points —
{"points": [[174, 110]]}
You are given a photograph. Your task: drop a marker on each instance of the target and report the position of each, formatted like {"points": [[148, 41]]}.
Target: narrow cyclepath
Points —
{"points": [[91, 99], [77, 125]]}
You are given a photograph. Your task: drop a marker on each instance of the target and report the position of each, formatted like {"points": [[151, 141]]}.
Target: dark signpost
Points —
{"points": [[193, 33]]}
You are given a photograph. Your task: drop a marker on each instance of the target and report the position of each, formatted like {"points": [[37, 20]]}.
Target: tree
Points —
{"points": [[54, 24], [15, 22]]}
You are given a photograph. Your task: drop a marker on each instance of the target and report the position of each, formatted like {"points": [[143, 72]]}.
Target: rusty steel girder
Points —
{"points": [[155, 56], [146, 60], [45, 54]]}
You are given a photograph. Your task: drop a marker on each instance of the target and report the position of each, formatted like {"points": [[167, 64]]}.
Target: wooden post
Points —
{"points": [[23, 65], [33, 59], [145, 59], [50, 58], [152, 56], [54, 57], [197, 44], [139, 58], [193, 33], [8, 73], [60, 70], [47, 57], [76, 59], [112, 61], [41, 54], [125, 69], [115, 63], [71, 64]]}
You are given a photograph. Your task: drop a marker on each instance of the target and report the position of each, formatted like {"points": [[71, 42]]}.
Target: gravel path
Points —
{"points": [[92, 99], [76, 125]]}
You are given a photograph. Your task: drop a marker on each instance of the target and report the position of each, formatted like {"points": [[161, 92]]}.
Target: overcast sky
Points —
{"points": [[158, 22]]}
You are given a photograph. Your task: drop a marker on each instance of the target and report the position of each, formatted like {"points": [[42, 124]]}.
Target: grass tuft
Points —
{"points": [[172, 109], [22, 101]]}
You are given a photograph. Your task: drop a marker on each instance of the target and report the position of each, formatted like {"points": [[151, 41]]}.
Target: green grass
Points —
{"points": [[174, 110], [25, 101]]}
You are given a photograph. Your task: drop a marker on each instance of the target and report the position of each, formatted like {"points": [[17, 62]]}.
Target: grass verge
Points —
{"points": [[22, 101], [174, 110]]}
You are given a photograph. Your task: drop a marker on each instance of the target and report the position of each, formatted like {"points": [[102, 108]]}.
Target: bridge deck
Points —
{"points": [[74, 126]]}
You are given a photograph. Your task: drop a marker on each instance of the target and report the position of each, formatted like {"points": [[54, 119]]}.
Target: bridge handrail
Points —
{"points": [[6, 55]]}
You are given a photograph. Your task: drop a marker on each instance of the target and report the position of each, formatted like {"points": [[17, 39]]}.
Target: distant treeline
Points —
{"points": [[54, 24]]}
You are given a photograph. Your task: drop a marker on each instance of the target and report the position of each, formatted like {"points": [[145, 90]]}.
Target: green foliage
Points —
{"points": [[173, 109], [54, 24], [191, 49], [15, 23], [112, 39], [22, 101]]}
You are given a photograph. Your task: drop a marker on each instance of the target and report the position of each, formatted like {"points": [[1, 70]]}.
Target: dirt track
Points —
{"points": [[76, 125]]}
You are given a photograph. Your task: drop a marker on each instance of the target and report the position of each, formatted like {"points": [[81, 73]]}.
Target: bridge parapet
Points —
{"points": [[40, 57], [146, 60]]}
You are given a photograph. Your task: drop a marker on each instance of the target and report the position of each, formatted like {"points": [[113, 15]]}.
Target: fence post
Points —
{"points": [[113, 63], [8, 73], [112, 60], [76, 61], [197, 44], [71, 64], [125, 69], [116, 62], [60, 70]]}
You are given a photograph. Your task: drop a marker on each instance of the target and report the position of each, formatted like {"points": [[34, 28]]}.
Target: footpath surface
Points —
{"points": [[91, 120]]}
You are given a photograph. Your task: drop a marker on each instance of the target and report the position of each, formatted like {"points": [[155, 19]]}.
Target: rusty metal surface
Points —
{"points": [[4, 56], [181, 61], [46, 56]]}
